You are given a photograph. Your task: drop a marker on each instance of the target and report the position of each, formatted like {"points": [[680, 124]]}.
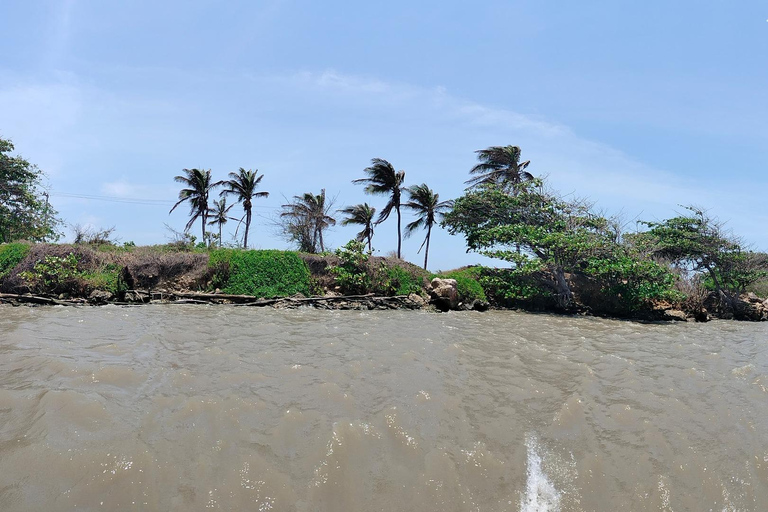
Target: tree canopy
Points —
{"points": [[25, 213]]}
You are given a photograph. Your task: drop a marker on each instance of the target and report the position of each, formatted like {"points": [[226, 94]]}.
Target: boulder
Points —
{"points": [[676, 315], [445, 293], [417, 300], [100, 297]]}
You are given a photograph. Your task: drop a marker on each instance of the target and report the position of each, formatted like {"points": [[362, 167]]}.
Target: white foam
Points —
{"points": [[540, 495]]}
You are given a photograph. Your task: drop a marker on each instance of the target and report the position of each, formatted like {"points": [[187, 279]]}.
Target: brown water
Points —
{"points": [[194, 408]]}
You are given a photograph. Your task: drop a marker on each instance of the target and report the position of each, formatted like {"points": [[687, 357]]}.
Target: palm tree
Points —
{"points": [[198, 186], [219, 214], [307, 217], [360, 214], [426, 204], [243, 185], [501, 166], [383, 179]]}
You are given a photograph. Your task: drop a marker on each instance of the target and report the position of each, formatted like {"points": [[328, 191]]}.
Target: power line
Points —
{"points": [[112, 199], [134, 200]]}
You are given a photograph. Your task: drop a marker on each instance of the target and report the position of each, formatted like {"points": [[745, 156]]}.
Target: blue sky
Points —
{"points": [[639, 106]]}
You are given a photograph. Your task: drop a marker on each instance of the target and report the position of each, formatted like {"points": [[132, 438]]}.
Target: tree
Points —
{"points": [[699, 243], [220, 215], [534, 229], [384, 180], [198, 186], [25, 212], [242, 185], [499, 165], [361, 214], [426, 205], [305, 219]]}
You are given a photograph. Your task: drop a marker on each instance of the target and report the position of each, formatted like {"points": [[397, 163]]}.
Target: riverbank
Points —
{"points": [[61, 274]]}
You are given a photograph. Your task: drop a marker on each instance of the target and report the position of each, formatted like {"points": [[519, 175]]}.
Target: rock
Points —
{"points": [[675, 315], [751, 297], [445, 293], [100, 297], [417, 300], [479, 305]]}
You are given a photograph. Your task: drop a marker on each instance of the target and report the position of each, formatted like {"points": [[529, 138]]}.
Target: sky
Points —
{"points": [[640, 107]]}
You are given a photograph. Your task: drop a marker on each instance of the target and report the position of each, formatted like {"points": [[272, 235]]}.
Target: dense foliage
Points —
{"points": [[530, 228], [356, 274], [269, 273], [696, 243], [68, 275], [468, 283], [25, 213], [10, 256], [552, 244]]}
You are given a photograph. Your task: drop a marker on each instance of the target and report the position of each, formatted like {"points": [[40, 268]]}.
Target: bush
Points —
{"points": [[395, 280], [268, 273], [356, 272], [467, 283], [524, 287], [351, 273], [10, 256], [635, 283]]}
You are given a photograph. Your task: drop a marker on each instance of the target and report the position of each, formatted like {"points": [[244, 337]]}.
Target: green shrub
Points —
{"points": [[516, 287], [395, 280], [105, 278], [10, 256], [351, 274], [269, 273], [467, 283], [635, 283], [53, 274]]}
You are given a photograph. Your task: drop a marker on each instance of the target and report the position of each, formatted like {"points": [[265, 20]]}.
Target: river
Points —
{"points": [[173, 407]]}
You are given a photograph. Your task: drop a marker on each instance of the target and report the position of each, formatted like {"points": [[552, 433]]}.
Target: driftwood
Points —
{"points": [[34, 299], [371, 301]]}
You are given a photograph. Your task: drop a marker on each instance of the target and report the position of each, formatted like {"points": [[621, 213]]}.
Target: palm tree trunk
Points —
{"points": [[320, 236], [219, 235], [205, 219], [426, 249], [370, 251], [247, 227], [399, 235]]}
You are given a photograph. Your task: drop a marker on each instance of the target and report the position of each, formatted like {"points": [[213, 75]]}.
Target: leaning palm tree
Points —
{"points": [[360, 214], [426, 205], [242, 185], [383, 179], [307, 217], [501, 166], [197, 187], [220, 214]]}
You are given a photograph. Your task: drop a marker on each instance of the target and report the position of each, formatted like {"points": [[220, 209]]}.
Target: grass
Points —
{"points": [[268, 273], [10, 256], [467, 283]]}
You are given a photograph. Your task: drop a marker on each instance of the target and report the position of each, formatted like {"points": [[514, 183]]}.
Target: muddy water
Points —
{"points": [[194, 408]]}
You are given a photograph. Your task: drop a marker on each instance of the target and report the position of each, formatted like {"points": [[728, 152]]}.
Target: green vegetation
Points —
{"points": [[361, 214], [696, 243], [10, 256], [305, 219], [269, 273], [63, 274], [383, 179], [25, 213], [562, 253], [242, 185], [426, 204], [356, 274], [468, 283]]}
